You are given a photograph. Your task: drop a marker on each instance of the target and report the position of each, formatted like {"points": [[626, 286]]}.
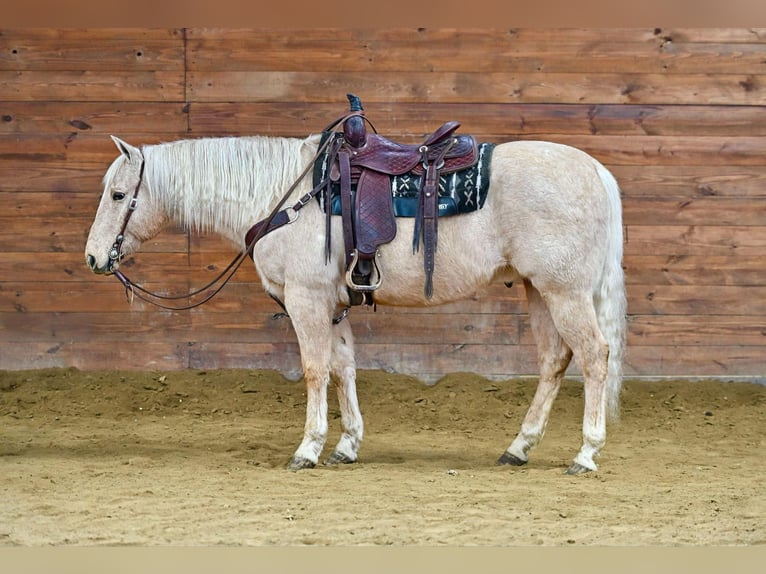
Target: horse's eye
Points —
{"points": [[118, 196]]}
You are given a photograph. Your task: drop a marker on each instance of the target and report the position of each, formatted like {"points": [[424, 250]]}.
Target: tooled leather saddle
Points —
{"points": [[362, 165]]}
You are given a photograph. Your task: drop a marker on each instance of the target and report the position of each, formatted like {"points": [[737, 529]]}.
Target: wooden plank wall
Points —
{"points": [[677, 114]]}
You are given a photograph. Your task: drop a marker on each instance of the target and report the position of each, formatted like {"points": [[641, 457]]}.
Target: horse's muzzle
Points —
{"points": [[107, 269]]}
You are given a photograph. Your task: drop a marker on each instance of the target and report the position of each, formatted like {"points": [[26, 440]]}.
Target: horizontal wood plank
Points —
{"points": [[92, 86], [72, 149], [25, 176], [154, 269], [701, 361], [701, 300], [466, 87], [400, 120], [524, 36], [144, 356], [469, 50], [695, 240], [699, 210], [674, 180], [98, 295], [728, 35], [72, 327], [67, 234], [734, 269], [125, 119], [670, 150], [102, 49], [697, 331]]}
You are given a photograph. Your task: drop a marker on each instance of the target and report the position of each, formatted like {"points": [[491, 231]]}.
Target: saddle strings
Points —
{"points": [[134, 289]]}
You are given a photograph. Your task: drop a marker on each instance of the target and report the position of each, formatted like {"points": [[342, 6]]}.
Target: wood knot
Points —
{"points": [[748, 84], [80, 125]]}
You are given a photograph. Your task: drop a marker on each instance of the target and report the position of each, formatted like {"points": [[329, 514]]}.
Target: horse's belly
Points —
{"points": [[467, 259]]}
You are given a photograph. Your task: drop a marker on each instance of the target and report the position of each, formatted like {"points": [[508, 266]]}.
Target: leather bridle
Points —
{"points": [[115, 253]]}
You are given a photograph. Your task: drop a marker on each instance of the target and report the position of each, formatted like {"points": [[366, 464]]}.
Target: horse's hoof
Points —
{"points": [[338, 458], [577, 468], [510, 459], [299, 463]]}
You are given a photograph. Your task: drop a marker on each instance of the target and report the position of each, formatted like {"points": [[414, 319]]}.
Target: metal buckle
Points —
{"points": [[292, 214], [305, 199]]}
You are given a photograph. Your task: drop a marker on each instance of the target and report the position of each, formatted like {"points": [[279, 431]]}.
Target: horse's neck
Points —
{"points": [[222, 185]]}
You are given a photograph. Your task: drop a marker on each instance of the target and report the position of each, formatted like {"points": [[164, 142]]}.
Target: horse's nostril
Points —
{"points": [[91, 261]]}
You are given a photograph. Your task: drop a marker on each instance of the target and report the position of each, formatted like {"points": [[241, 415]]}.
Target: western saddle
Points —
{"points": [[362, 164]]}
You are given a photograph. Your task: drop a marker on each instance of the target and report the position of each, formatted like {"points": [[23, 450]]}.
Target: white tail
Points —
{"points": [[610, 301]]}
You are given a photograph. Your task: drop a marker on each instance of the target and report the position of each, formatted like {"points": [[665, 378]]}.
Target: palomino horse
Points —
{"points": [[552, 219]]}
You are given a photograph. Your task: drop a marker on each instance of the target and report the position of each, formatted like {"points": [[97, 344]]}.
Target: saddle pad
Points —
{"points": [[459, 192]]}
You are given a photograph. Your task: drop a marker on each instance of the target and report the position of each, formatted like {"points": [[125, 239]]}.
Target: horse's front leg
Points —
{"points": [[343, 369], [312, 321]]}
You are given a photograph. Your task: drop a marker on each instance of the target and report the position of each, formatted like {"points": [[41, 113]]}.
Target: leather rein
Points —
{"points": [[275, 219]]}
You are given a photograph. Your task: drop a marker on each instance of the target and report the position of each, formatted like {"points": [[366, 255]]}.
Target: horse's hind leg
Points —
{"points": [[343, 370], [575, 318], [553, 357]]}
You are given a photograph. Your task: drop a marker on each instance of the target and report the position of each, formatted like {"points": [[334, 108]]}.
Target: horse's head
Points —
{"points": [[127, 214]]}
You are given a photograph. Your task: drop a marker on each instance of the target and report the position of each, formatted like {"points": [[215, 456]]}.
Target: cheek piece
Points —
{"points": [[116, 251]]}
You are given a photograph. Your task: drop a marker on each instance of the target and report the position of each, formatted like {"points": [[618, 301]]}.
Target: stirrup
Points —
{"points": [[375, 273]]}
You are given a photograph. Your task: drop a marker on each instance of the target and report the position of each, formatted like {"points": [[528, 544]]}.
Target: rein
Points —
{"points": [[275, 219]]}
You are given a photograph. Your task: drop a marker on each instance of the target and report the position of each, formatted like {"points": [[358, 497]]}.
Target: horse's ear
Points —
{"points": [[125, 148]]}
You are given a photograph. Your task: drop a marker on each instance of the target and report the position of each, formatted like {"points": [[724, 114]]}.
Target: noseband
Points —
{"points": [[115, 253]]}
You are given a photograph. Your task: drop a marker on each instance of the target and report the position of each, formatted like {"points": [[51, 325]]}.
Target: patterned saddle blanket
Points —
{"points": [[460, 192]]}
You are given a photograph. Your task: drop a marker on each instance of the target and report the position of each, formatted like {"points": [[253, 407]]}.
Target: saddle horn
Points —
{"points": [[354, 130]]}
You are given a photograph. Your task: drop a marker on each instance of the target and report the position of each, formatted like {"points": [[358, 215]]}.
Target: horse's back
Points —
{"points": [[539, 182], [545, 171]]}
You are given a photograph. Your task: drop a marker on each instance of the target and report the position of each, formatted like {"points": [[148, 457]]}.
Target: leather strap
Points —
{"points": [[344, 163], [280, 219], [115, 253], [327, 189], [428, 216]]}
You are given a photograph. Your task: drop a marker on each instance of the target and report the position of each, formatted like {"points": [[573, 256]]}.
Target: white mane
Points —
{"points": [[223, 185]]}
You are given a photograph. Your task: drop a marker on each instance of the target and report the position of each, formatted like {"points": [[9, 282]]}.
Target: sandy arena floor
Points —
{"points": [[198, 458]]}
